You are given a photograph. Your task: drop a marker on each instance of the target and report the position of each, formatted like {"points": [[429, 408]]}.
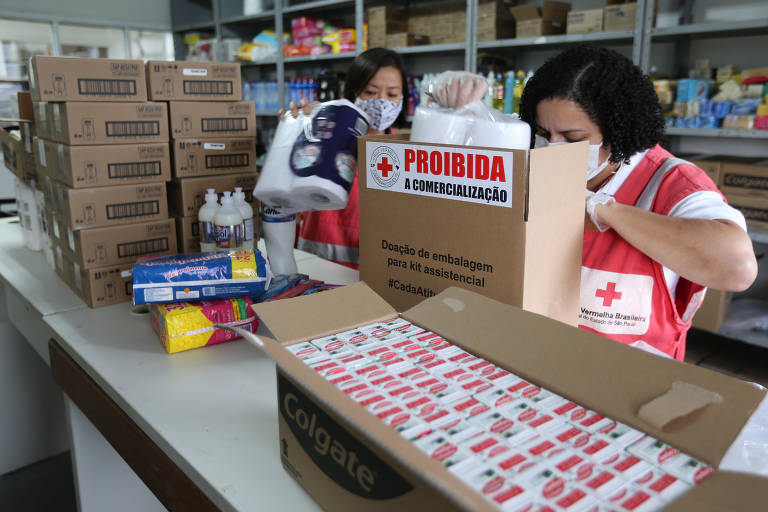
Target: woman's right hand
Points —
{"points": [[293, 108]]}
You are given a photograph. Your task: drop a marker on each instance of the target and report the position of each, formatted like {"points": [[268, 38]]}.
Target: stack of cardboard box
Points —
{"points": [[214, 137], [16, 143], [103, 155]]}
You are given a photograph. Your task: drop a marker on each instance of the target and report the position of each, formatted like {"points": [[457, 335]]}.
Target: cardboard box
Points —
{"points": [[212, 120], [382, 21], [405, 39], [17, 144], [448, 24], [187, 81], [78, 79], [620, 17], [523, 247], [96, 286], [713, 311], [387, 473], [210, 157], [118, 245], [81, 123], [42, 119], [584, 22], [102, 166], [754, 208], [532, 22], [188, 234], [26, 108], [110, 206], [743, 176], [186, 196], [738, 122], [45, 157], [494, 21]]}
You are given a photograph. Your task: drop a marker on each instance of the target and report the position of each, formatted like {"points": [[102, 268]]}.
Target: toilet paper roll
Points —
{"points": [[324, 156], [275, 185], [507, 133], [440, 126]]}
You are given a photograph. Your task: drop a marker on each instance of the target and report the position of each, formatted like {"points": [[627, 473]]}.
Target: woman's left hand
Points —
{"points": [[712, 253]]}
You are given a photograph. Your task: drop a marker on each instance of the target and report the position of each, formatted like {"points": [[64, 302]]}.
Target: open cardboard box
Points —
{"points": [[370, 466], [522, 248]]}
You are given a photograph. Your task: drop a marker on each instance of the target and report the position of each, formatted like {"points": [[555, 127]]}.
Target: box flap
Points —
{"points": [[321, 314], [724, 490], [609, 377], [525, 12], [554, 231]]}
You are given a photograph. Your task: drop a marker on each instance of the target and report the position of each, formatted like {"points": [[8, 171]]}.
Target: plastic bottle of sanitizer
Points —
{"points": [[228, 225], [206, 217], [247, 213]]}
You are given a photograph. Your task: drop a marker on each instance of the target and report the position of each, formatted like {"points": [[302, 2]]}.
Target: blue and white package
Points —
{"points": [[191, 277], [324, 156]]}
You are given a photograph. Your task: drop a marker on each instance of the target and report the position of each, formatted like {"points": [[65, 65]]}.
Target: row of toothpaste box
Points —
{"points": [[517, 444]]}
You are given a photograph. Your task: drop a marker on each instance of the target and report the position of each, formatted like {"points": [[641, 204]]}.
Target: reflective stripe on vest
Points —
{"points": [[645, 201], [341, 253]]}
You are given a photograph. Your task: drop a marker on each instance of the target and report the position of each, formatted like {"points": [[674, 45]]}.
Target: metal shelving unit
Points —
{"points": [[718, 132], [722, 29], [317, 58], [560, 40], [431, 48]]}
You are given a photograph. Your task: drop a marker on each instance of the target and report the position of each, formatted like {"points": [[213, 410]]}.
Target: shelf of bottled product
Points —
{"points": [[714, 29], [718, 132], [312, 6], [563, 39]]}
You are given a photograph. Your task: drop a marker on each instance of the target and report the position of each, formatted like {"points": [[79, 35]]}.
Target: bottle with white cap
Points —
{"points": [[279, 236], [228, 224], [247, 213], [206, 217]]}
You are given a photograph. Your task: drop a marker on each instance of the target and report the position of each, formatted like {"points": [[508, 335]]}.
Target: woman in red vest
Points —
{"points": [[657, 230], [376, 82]]}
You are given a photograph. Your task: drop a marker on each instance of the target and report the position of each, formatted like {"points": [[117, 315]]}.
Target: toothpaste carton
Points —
{"points": [[512, 497], [662, 485], [621, 435], [438, 446], [486, 480], [688, 469], [652, 450], [629, 467], [485, 446], [639, 501], [494, 397], [603, 483], [328, 343]]}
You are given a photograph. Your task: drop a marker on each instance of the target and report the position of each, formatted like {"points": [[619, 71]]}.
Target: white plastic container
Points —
{"points": [[247, 213], [279, 236], [206, 216], [28, 216], [228, 225]]}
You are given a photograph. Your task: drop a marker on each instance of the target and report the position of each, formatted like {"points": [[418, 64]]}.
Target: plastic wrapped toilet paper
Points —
{"points": [[439, 125], [274, 187], [313, 159], [471, 125], [324, 157]]}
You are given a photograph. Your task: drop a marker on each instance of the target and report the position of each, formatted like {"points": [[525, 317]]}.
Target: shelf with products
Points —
{"points": [[316, 58], [712, 29], [256, 63], [718, 132], [245, 18], [562, 39]]}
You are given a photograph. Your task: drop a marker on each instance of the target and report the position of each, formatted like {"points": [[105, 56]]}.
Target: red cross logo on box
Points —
{"points": [[608, 295], [385, 167]]}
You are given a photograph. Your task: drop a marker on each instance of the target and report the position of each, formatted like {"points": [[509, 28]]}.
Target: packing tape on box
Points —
{"points": [[680, 400]]}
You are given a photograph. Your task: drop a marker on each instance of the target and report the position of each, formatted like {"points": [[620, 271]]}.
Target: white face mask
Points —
{"points": [[381, 112], [593, 167]]}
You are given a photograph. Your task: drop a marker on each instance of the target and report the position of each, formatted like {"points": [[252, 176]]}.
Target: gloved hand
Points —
{"points": [[593, 199], [455, 89]]}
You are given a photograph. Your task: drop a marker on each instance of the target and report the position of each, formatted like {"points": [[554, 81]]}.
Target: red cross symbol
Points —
{"points": [[609, 294], [385, 167]]}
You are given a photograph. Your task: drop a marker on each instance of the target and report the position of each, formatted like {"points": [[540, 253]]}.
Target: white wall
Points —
{"points": [[146, 12]]}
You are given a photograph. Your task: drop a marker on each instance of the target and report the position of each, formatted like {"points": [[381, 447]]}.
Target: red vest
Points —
{"points": [[333, 234], [624, 295]]}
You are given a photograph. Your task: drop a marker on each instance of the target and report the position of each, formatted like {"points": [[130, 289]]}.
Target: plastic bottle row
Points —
{"points": [[265, 94], [228, 225]]}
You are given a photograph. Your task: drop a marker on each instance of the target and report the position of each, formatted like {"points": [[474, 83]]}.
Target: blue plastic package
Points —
{"points": [[191, 277], [745, 107]]}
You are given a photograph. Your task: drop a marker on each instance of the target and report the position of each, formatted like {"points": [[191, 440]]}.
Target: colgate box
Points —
{"points": [[348, 459], [505, 223]]}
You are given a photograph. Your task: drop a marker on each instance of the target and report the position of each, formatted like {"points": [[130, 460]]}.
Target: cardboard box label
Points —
{"points": [[346, 460], [195, 72], [470, 175]]}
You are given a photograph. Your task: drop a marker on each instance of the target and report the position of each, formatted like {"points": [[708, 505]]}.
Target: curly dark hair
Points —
{"points": [[614, 93]]}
